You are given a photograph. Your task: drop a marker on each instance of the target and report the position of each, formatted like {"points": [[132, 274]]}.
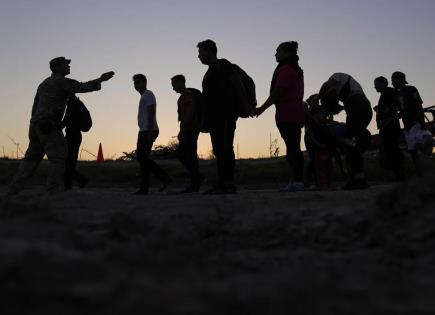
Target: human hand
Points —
{"points": [[107, 76], [257, 111]]}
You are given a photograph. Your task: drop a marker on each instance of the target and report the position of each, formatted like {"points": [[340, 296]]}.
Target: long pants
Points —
{"points": [[291, 134], [73, 139], [187, 154], [54, 146], [147, 166], [390, 152], [324, 168], [359, 114], [222, 138]]}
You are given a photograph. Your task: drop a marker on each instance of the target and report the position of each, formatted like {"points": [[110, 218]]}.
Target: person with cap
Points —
{"points": [[45, 131], [342, 87], [411, 110]]}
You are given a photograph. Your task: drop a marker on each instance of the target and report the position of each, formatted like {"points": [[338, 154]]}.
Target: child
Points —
{"points": [[322, 139]]}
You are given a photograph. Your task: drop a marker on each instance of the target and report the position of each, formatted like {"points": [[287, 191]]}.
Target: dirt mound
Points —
{"points": [[404, 223]]}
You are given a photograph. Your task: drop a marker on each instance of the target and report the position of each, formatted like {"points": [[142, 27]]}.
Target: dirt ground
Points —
{"points": [[105, 251]]}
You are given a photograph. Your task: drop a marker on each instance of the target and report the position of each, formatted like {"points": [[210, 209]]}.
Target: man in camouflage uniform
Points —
{"points": [[45, 132]]}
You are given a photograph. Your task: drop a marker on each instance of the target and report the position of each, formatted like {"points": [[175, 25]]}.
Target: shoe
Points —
{"points": [[165, 184], [293, 187], [141, 192], [12, 192], [187, 190], [197, 183]]}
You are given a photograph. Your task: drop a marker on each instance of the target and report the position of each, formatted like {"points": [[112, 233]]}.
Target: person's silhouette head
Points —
{"points": [[319, 114], [140, 82], [207, 52], [313, 100], [381, 83], [178, 83], [286, 51], [398, 80], [60, 65], [329, 98]]}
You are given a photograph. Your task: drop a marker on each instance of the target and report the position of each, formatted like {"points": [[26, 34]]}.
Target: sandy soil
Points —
{"points": [[104, 251]]}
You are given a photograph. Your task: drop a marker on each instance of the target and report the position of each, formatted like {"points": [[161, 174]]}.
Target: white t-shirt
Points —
{"points": [[342, 79], [147, 99]]}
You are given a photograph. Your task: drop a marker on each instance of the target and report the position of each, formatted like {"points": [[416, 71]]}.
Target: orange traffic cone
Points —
{"points": [[100, 157]]}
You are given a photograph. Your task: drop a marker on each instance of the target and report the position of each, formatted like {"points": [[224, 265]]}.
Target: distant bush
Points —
{"points": [[160, 151]]}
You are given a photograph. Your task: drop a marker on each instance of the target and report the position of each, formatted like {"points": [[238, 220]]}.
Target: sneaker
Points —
{"points": [[293, 187], [187, 190], [12, 192], [197, 183]]}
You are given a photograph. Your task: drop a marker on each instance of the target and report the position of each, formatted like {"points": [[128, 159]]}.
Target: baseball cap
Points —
{"points": [[58, 61], [399, 75]]}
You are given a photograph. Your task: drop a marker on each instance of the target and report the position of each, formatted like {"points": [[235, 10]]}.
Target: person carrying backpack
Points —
{"points": [[224, 95], [76, 120], [189, 116], [287, 92], [45, 130]]}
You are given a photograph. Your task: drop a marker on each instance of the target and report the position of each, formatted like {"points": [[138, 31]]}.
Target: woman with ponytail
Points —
{"points": [[287, 93]]}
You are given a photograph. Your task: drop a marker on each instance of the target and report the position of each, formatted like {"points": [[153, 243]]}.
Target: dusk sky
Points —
{"points": [[158, 38]]}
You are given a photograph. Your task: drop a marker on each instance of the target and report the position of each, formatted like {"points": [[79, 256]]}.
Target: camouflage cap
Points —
{"points": [[58, 61]]}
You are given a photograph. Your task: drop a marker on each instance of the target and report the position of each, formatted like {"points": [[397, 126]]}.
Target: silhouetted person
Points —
{"points": [[73, 135], [287, 92], [321, 136], [311, 103], [387, 119], [411, 110], [189, 116], [222, 89], [45, 132], [148, 132], [343, 87]]}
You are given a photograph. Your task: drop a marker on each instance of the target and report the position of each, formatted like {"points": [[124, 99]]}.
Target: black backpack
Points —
{"points": [[249, 86], [79, 116]]}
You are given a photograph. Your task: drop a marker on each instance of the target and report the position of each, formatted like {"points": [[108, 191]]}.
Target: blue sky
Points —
{"points": [[158, 38]]}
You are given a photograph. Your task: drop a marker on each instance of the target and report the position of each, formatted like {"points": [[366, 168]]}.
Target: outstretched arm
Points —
{"points": [[74, 86]]}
